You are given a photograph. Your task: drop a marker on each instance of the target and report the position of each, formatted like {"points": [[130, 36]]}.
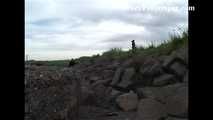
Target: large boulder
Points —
{"points": [[182, 53], [127, 101], [127, 78], [178, 68], [151, 67], [160, 93], [176, 63], [164, 79], [150, 109], [117, 76], [177, 104]]}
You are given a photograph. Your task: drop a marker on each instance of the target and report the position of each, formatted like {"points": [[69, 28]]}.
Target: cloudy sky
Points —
{"points": [[64, 29]]}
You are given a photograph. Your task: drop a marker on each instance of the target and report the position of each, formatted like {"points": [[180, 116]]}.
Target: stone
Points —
{"points": [[164, 79], [117, 76], [153, 69], [150, 109], [127, 101], [178, 68], [127, 78], [177, 104], [160, 93]]}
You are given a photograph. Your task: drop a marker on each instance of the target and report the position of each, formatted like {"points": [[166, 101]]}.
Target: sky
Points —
{"points": [[65, 29]]}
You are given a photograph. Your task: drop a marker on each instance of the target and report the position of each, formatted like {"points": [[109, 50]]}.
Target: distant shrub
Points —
{"points": [[72, 62]]}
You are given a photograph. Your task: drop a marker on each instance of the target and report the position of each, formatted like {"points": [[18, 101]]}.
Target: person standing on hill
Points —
{"points": [[133, 46]]}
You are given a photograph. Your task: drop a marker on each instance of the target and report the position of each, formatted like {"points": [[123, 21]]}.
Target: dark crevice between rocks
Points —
{"points": [[125, 90]]}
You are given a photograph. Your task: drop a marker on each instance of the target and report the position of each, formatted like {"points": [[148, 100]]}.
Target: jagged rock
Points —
{"points": [[177, 104], [182, 53], [150, 109], [159, 93], [117, 76], [127, 101], [151, 68], [176, 63], [112, 95], [174, 118], [127, 78], [164, 79], [178, 68]]}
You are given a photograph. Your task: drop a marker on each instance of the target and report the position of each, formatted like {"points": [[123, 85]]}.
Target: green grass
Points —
{"points": [[58, 63]]}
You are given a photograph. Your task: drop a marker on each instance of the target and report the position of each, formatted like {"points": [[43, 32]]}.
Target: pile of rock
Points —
{"points": [[153, 87], [160, 90]]}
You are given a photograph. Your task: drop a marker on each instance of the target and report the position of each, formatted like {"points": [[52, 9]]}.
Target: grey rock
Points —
{"points": [[177, 104], [127, 77], [160, 93], [153, 69], [117, 76], [150, 109], [164, 79], [179, 69], [128, 101]]}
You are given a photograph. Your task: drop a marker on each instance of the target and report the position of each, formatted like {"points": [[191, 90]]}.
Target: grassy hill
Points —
{"points": [[165, 48]]}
